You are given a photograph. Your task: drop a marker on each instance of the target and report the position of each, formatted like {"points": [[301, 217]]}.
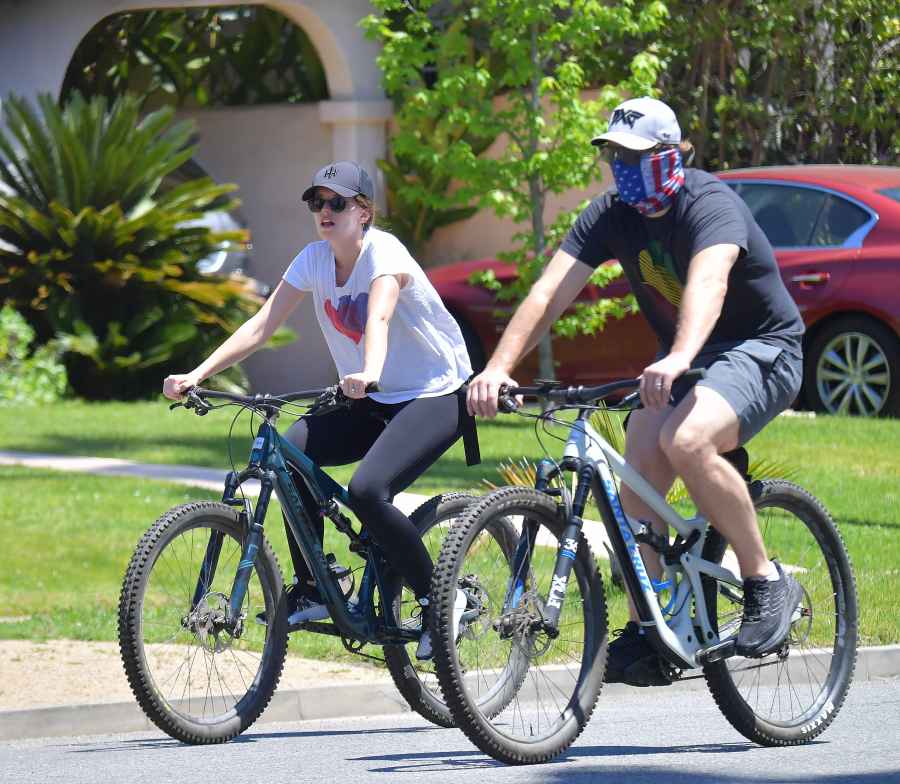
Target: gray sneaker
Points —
{"points": [[769, 607]]}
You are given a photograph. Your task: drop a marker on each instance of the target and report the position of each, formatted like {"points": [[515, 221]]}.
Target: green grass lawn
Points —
{"points": [[68, 538]]}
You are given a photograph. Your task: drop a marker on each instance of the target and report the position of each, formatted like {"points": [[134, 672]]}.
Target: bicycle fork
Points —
{"points": [[252, 523], [566, 553]]}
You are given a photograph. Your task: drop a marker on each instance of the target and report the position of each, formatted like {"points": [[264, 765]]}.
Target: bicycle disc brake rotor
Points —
{"points": [[523, 626], [208, 623], [476, 619], [802, 620]]}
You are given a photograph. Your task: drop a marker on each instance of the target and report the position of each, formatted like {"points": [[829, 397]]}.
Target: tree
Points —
{"points": [[97, 250], [816, 81], [511, 69]]}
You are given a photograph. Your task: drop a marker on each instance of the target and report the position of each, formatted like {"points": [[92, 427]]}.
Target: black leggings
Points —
{"points": [[397, 443]]}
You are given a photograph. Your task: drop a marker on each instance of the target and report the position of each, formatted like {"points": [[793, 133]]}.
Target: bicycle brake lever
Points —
{"points": [[200, 406], [505, 403]]}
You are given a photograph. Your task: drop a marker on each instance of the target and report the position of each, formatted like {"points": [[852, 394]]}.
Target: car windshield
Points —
{"points": [[891, 193]]}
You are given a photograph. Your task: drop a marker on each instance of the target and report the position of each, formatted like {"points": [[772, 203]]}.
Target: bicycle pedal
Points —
{"points": [[717, 652]]}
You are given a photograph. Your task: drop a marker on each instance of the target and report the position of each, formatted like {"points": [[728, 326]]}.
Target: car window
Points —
{"points": [[891, 193], [787, 215], [837, 221]]}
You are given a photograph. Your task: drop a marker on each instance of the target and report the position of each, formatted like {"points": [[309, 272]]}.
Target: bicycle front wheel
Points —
{"points": [[197, 677], [791, 696], [520, 694]]}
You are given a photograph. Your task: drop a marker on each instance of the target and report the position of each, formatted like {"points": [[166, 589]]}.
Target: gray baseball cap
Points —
{"points": [[346, 178], [641, 123]]}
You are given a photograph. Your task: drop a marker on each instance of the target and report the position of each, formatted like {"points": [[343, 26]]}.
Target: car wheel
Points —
{"points": [[473, 345], [853, 367]]}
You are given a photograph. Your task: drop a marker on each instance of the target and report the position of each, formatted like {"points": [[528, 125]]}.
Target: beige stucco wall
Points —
{"points": [[271, 152]]}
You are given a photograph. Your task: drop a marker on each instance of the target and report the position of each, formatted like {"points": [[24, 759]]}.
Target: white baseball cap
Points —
{"points": [[641, 123]]}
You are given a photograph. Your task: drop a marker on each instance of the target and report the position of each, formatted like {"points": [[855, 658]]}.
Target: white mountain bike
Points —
{"points": [[532, 641]]}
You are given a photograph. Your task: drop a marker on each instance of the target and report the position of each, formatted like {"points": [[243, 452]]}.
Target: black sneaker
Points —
{"points": [[300, 603], [632, 659], [768, 610]]}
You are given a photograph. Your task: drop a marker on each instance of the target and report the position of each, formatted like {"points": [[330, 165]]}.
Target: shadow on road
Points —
{"points": [[249, 737]]}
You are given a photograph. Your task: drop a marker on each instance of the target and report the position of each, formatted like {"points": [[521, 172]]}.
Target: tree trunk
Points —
{"points": [[823, 39], [536, 192]]}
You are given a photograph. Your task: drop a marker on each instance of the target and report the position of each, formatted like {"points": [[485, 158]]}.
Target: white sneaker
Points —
{"points": [[425, 650], [308, 610], [459, 607]]}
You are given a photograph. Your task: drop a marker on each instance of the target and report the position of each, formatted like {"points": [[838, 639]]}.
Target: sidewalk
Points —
{"points": [[376, 698], [214, 479]]}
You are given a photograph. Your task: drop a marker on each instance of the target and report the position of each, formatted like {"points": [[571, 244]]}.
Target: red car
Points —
{"points": [[836, 234]]}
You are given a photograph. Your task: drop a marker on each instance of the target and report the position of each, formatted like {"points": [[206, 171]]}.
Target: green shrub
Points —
{"points": [[27, 377], [95, 251]]}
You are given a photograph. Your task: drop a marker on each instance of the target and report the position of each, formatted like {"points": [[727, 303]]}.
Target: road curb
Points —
{"points": [[356, 700]]}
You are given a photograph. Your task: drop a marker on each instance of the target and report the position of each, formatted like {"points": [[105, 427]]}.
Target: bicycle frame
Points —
{"points": [[270, 456], [678, 638]]}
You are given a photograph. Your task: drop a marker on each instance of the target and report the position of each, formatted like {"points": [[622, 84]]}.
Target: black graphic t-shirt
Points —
{"points": [[655, 254]]}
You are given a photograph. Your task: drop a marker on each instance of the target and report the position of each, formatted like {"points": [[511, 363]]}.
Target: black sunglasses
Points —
{"points": [[337, 203], [628, 157]]}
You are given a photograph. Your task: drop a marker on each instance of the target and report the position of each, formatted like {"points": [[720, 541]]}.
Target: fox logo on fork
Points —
{"points": [[557, 591]]}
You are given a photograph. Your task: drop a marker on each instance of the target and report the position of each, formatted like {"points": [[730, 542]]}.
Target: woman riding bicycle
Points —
{"points": [[385, 325]]}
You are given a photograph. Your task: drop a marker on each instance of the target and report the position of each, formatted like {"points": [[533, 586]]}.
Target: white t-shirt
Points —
{"points": [[426, 354]]}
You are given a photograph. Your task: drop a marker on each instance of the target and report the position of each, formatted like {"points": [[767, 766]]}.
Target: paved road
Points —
{"points": [[643, 736]]}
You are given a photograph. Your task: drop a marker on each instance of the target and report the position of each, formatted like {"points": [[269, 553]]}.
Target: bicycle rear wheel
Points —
{"points": [[416, 680], [196, 679], [789, 697], [519, 694]]}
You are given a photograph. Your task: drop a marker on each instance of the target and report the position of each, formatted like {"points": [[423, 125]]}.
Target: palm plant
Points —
{"points": [[97, 251]]}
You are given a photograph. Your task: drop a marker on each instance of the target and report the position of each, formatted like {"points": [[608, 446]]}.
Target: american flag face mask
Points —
{"points": [[649, 186]]}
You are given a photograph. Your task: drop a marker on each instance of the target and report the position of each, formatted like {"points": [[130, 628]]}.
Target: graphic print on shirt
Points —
{"points": [[658, 273], [349, 317]]}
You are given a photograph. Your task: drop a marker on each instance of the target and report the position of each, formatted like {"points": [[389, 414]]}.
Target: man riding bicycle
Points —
{"points": [[706, 279]]}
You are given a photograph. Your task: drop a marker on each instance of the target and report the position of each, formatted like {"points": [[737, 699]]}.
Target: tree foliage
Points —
{"points": [[781, 81], [94, 247], [228, 56], [508, 70]]}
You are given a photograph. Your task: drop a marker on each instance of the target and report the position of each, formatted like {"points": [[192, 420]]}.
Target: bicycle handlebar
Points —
{"points": [[579, 395], [330, 397]]}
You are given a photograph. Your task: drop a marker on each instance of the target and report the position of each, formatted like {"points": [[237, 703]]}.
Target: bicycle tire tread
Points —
{"points": [[718, 678], [469, 719]]}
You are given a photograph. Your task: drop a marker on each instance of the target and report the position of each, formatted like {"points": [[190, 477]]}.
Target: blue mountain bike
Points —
{"points": [[200, 666]]}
